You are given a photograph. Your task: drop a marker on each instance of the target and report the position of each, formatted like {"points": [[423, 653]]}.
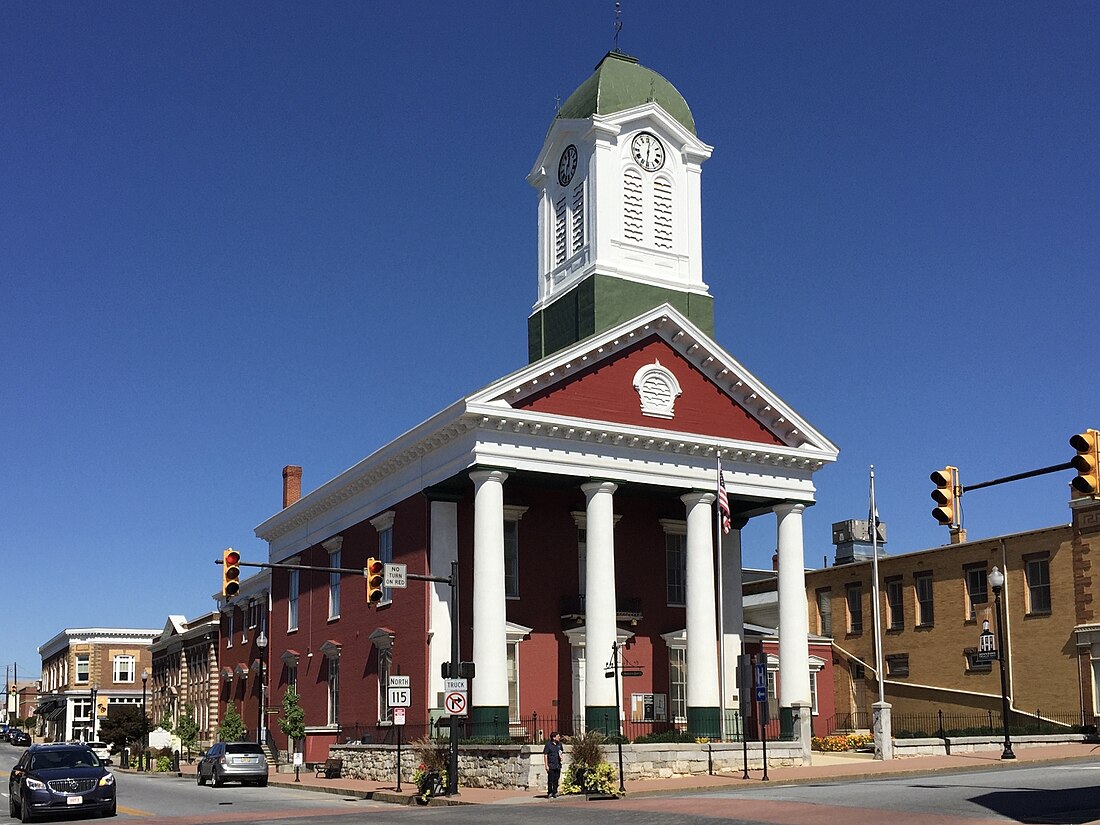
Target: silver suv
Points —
{"points": [[233, 761]]}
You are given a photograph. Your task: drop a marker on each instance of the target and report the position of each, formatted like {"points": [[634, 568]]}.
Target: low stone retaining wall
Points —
{"points": [[521, 766], [934, 746]]}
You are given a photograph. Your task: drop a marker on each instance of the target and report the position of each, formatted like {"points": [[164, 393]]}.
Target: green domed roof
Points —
{"points": [[621, 83]]}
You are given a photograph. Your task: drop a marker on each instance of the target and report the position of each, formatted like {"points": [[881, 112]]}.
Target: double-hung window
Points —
{"points": [[854, 593], [292, 600], [922, 585], [976, 590], [124, 668], [1037, 570], [894, 604]]}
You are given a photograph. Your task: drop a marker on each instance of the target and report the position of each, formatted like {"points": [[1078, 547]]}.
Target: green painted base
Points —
{"points": [[786, 724], [603, 719], [489, 723], [600, 302], [705, 722]]}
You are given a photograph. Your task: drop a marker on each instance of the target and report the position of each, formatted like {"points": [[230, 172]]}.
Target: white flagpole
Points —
{"points": [[873, 524], [721, 612]]}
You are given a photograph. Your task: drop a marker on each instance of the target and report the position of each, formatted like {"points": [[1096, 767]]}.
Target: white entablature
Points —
{"points": [[486, 429]]}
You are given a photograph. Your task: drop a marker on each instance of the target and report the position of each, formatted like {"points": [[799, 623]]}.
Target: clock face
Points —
{"points": [[567, 166], [647, 151]]}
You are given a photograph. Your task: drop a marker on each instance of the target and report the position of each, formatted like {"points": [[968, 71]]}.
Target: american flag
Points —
{"points": [[723, 500]]}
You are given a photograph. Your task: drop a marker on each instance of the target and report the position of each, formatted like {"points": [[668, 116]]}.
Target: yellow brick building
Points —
{"points": [[934, 604]]}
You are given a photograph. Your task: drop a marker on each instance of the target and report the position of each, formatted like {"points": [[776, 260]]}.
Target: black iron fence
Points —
{"points": [[536, 728], [944, 724]]}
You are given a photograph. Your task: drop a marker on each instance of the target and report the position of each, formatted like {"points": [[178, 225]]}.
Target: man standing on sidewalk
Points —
{"points": [[551, 757]]}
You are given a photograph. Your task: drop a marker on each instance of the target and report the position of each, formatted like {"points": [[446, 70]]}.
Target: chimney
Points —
{"points": [[292, 484]]}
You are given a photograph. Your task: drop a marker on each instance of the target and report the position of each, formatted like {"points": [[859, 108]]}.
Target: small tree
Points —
{"points": [[187, 729], [125, 726], [166, 721], [232, 726], [293, 721]]}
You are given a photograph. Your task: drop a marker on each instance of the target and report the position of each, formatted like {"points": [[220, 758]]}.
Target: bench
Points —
{"points": [[331, 769]]}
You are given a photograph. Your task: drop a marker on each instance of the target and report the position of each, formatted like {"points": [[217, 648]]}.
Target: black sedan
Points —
{"points": [[19, 737], [51, 779]]}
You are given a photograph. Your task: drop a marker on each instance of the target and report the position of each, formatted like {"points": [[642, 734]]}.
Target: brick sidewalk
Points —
{"points": [[826, 767]]}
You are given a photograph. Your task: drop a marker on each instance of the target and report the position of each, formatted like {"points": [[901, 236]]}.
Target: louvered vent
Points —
{"points": [[662, 213], [559, 231], [578, 217], [632, 206]]}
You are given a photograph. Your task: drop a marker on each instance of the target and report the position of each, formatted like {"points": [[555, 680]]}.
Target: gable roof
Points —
{"points": [[587, 380]]}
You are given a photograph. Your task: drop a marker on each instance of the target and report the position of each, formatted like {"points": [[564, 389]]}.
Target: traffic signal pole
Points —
{"points": [[452, 580]]}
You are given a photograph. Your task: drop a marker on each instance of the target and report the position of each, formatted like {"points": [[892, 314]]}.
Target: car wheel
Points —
{"points": [[262, 782], [216, 778], [198, 777], [25, 814]]}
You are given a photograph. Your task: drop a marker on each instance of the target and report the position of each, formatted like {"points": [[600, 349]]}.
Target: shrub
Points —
{"points": [[587, 749], [841, 742], [601, 779], [665, 736]]}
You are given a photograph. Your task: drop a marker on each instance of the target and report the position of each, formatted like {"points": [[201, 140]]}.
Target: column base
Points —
{"points": [[786, 724], [705, 722], [604, 719], [489, 723]]}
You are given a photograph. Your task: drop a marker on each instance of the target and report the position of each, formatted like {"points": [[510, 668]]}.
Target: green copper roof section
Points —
{"points": [[620, 82]]}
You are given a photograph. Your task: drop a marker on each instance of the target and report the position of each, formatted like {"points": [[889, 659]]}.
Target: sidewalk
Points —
{"points": [[826, 767]]}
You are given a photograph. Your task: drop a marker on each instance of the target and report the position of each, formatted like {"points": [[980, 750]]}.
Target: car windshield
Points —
{"points": [[74, 758]]}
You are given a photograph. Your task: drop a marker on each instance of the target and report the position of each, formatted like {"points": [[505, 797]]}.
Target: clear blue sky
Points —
{"points": [[235, 236]]}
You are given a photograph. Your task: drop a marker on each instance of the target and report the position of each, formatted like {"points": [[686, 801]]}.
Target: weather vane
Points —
{"points": [[618, 22]]}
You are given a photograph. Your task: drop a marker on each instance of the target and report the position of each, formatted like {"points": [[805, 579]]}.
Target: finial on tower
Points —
{"points": [[618, 22]]}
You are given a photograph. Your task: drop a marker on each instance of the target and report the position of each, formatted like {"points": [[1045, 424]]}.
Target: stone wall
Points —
{"points": [[521, 766]]}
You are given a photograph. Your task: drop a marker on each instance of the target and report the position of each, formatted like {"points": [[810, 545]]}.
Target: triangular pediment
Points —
{"points": [[657, 371]]}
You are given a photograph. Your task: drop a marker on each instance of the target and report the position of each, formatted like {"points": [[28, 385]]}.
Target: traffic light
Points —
{"points": [[945, 495], [373, 572], [1086, 462], [231, 573]]}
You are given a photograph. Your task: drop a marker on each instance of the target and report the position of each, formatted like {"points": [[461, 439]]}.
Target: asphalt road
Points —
{"points": [[1060, 794]]}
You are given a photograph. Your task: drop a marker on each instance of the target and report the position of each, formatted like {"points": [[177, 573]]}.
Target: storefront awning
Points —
{"points": [[52, 710]]}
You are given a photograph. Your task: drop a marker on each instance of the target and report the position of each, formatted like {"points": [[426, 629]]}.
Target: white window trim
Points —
{"points": [[333, 548], [512, 515], [295, 577], [129, 657], [674, 527]]}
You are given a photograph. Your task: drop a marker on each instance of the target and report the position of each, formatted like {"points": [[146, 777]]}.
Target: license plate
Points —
{"points": [[251, 760], [75, 800]]}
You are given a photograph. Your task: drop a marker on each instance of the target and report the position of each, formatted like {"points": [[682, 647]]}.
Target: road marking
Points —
{"points": [[134, 811]]}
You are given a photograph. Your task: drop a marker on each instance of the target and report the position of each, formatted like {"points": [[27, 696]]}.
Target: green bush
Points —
{"points": [[665, 736]]}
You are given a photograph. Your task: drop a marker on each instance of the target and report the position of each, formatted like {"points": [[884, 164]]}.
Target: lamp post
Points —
{"points": [[145, 719], [997, 581], [261, 643], [95, 690]]}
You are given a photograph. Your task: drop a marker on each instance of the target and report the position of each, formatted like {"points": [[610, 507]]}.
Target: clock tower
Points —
{"points": [[619, 212]]}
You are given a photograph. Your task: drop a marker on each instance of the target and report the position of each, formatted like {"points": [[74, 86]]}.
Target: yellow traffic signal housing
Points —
{"points": [[231, 573], [373, 572], [1086, 462], [946, 495]]}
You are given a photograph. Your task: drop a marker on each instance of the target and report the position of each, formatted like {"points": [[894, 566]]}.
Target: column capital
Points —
{"points": [[698, 497], [591, 488], [784, 508], [479, 477]]}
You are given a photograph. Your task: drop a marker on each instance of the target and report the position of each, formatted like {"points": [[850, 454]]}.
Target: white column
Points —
{"points": [[599, 597], [444, 550], [794, 647], [702, 622], [733, 602], [490, 686]]}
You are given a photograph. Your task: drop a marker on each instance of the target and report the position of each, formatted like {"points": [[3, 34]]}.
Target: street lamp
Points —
{"points": [[997, 581], [261, 643], [145, 719]]}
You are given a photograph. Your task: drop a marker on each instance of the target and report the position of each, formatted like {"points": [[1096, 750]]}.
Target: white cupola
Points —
{"points": [[619, 208]]}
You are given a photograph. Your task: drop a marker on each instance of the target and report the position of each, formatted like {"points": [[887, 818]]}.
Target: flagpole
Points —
{"points": [[721, 610], [872, 522]]}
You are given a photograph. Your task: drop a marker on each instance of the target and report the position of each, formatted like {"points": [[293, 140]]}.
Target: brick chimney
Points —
{"points": [[292, 484]]}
